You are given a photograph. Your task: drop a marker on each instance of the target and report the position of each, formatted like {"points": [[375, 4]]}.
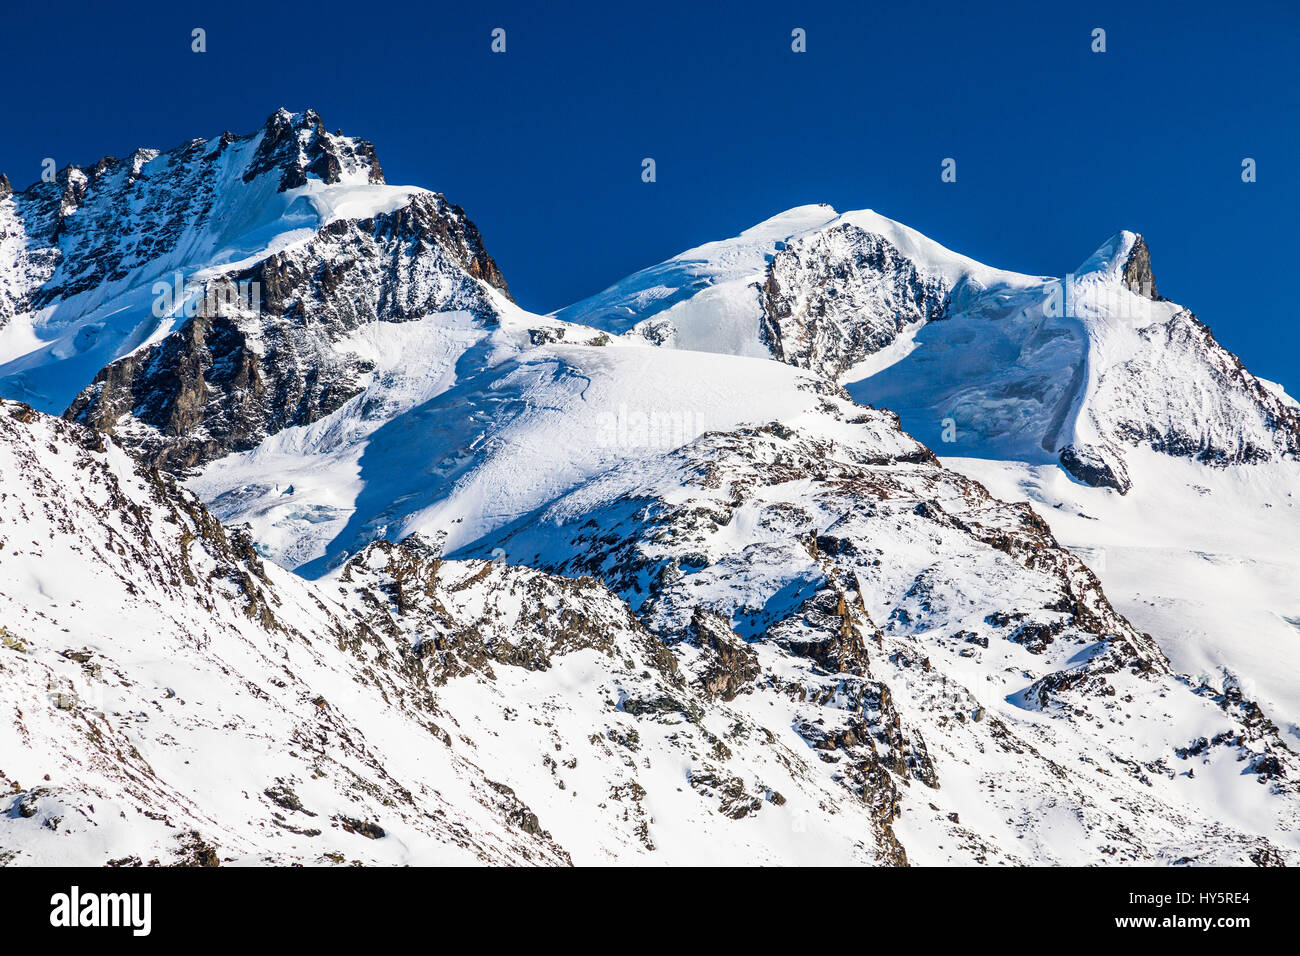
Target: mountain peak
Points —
{"points": [[716, 534], [794, 219], [1137, 268], [299, 145], [1126, 258]]}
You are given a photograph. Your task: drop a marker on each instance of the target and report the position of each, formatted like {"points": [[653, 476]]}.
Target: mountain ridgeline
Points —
{"points": [[187, 388]]}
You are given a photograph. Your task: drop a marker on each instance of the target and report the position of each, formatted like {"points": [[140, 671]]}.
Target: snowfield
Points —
{"points": [[1204, 559]]}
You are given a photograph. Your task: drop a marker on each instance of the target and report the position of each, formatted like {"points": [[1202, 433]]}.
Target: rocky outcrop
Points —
{"points": [[1093, 467], [423, 257], [296, 146], [477, 614], [837, 296], [1137, 270], [828, 630], [203, 392], [791, 540], [730, 667]]}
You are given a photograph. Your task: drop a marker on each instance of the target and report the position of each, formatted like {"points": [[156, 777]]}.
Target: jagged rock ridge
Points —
{"points": [[230, 371]]}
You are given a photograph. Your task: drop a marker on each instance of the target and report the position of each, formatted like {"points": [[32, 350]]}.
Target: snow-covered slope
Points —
{"points": [[1081, 371], [1206, 559], [168, 696], [189, 703], [1043, 387], [704, 298], [497, 429], [1129, 393], [1025, 720]]}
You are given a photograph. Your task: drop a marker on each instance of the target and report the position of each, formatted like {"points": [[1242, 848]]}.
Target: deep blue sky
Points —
{"points": [[1057, 147]]}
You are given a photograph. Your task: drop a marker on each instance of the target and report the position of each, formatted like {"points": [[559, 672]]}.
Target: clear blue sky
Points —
{"points": [[1057, 147]]}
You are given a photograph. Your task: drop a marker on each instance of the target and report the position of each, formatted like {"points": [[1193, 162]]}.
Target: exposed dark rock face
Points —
{"points": [[836, 297], [732, 667], [299, 145], [828, 630], [392, 267], [734, 800], [870, 740], [1092, 467], [6, 190], [365, 828], [202, 392], [1137, 270]]}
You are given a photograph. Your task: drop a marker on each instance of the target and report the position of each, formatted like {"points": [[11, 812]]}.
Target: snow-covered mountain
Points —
{"points": [[645, 579], [1145, 444], [169, 696], [172, 697], [277, 245], [1014, 366]]}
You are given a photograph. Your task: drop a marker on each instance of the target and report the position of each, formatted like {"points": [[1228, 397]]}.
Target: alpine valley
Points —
{"points": [[821, 544]]}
